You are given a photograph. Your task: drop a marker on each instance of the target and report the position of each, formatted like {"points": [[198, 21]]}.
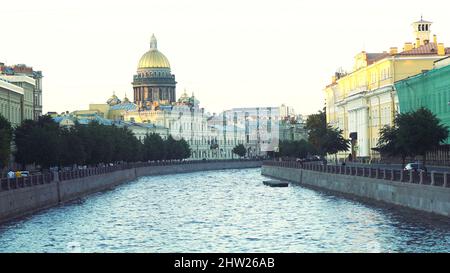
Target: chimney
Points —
{"points": [[441, 49], [417, 43], [435, 39], [333, 79], [408, 47], [393, 51]]}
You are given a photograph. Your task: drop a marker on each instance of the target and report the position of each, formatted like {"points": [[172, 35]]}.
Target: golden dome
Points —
{"points": [[153, 58]]}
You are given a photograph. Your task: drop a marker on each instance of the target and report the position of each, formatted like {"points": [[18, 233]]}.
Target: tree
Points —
{"points": [[239, 150], [171, 148], [324, 138], [45, 143], [104, 144], [389, 144], [414, 133], [176, 149], [6, 133], [99, 142], [420, 131], [180, 149], [335, 142], [135, 148], [153, 147], [316, 125], [185, 149], [38, 142], [72, 148], [297, 149]]}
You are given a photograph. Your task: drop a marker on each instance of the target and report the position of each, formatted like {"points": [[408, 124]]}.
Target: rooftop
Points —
{"points": [[428, 49], [374, 57], [124, 106], [18, 78]]}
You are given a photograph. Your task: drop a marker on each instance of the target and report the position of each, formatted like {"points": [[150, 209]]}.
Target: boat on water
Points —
{"points": [[276, 183]]}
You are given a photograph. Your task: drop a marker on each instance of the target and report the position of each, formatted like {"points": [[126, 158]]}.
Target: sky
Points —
{"points": [[232, 53]]}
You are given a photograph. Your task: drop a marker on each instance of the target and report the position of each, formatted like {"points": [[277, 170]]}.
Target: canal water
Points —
{"points": [[222, 211]]}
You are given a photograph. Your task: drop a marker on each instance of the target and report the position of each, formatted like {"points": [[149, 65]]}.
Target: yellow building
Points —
{"points": [[364, 100], [113, 109]]}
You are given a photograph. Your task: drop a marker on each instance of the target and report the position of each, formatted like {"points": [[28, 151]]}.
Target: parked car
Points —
{"points": [[414, 167], [25, 173]]}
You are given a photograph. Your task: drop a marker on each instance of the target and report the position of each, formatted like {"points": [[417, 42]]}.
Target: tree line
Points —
{"points": [[6, 135], [43, 142], [323, 140], [413, 134]]}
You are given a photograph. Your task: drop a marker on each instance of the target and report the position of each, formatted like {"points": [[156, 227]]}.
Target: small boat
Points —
{"points": [[276, 183]]}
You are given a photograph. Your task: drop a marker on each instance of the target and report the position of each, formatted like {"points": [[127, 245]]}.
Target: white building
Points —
{"points": [[259, 126]]}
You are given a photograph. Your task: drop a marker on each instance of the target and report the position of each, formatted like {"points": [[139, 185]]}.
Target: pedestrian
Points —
{"points": [[350, 157]]}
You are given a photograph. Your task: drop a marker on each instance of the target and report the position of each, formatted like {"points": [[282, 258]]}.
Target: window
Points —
{"points": [[375, 116], [373, 77]]}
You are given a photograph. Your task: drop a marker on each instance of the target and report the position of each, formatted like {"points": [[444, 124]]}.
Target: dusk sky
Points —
{"points": [[229, 53]]}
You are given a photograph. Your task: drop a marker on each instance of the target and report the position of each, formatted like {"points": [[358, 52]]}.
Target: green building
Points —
{"points": [[430, 89]]}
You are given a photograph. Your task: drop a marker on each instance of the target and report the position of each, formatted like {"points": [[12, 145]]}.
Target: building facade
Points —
{"points": [[364, 100], [256, 127], [11, 99], [140, 130], [292, 130], [29, 79], [20, 93], [430, 89], [286, 111]]}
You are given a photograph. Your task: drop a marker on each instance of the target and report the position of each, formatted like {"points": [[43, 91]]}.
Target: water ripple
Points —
{"points": [[222, 211]]}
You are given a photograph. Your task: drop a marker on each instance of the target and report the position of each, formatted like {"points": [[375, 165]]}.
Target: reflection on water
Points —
{"points": [[222, 211]]}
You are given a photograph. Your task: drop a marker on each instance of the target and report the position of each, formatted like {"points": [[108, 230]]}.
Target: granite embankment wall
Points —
{"points": [[22, 196], [427, 194]]}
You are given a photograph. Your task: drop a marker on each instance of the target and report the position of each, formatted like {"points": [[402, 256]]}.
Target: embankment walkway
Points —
{"points": [[25, 195]]}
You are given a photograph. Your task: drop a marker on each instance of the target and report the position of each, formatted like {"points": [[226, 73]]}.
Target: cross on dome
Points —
{"points": [[153, 43]]}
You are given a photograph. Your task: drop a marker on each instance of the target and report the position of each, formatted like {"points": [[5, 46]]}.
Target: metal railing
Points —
{"points": [[438, 179], [40, 179], [25, 181], [74, 174]]}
